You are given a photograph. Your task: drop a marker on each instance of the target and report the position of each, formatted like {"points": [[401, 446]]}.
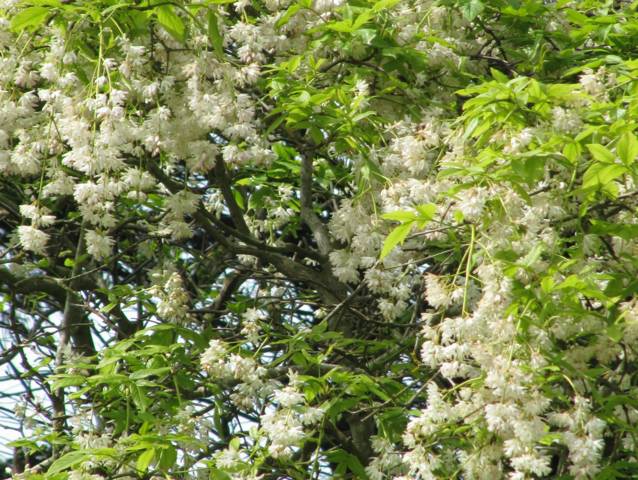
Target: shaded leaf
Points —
{"points": [[214, 35]]}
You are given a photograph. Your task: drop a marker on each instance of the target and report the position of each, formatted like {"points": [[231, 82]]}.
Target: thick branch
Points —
{"points": [[224, 184], [331, 289], [33, 285], [222, 231], [319, 230], [75, 323]]}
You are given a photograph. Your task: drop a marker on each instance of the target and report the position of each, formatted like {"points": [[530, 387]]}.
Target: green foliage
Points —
{"points": [[322, 239]]}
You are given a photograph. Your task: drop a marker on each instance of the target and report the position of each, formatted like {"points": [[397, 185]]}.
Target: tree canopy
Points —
{"points": [[312, 239]]}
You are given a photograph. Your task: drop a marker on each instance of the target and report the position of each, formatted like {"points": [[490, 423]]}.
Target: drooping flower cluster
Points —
{"points": [[173, 303]]}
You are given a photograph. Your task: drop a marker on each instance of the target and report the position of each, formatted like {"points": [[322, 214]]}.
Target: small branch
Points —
{"points": [[334, 63]]}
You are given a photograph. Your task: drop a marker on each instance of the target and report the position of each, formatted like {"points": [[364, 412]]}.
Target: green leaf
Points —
{"points": [[426, 211], [43, 3], [601, 174], [573, 281], [32, 445], [615, 332], [533, 255], [601, 153], [140, 398], [627, 148], [109, 379], [168, 457], [349, 461], [145, 459], [213, 33], [384, 5], [572, 151], [67, 461], [547, 284], [531, 169], [171, 22], [362, 19], [239, 199], [626, 231], [148, 372], [499, 76], [31, 17], [342, 26], [216, 474], [472, 9], [396, 236], [374, 388], [287, 15], [62, 381], [400, 216], [550, 438], [109, 307]]}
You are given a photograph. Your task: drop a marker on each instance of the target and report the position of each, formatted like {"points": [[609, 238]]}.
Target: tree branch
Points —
{"points": [[319, 230], [224, 185]]}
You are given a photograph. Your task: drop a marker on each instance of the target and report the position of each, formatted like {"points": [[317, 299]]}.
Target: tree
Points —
{"points": [[320, 239]]}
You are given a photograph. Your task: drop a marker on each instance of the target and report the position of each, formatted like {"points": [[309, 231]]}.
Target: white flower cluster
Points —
{"points": [[480, 350], [98, 245], [566, 120], [413, 153], [193, 429], [388, 460], [284, 425], [284, 420], [597, 83], [84, 145], [250, 324], [178, 206], [223, 366], [173, 299], [79, 475], [31, 237]]}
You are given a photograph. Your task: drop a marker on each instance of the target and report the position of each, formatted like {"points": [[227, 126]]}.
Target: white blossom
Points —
{"points": [[98, 245], [33, 239]]}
